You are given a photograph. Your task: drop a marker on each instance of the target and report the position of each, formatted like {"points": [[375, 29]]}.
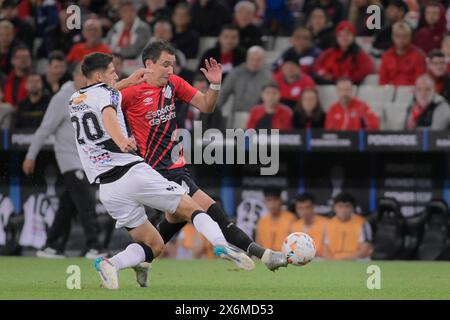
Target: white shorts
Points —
{"points": [[141, 185]]}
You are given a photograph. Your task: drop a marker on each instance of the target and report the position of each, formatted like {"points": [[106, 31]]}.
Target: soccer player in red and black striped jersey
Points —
{"points": [[151, 115]]}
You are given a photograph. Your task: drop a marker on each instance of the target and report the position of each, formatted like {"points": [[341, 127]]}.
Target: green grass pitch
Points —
{"points": [[32, 278]]}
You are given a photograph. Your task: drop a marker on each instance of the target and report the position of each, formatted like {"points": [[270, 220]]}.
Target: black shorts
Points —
{"points": [[182, 176]]}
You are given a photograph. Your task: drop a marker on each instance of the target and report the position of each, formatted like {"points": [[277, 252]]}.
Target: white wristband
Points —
{"points": [[215, 87]]}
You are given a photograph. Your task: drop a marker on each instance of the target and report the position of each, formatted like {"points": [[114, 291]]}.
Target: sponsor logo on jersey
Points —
{"points": [[79, 99], [148, 101], [161, 115]]}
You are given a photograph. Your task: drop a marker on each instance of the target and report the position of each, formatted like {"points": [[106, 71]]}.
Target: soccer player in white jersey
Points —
{"points": [[127, 183]]}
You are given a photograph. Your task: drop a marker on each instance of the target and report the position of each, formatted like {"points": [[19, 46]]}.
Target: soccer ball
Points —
{"points": [[299, 247]]}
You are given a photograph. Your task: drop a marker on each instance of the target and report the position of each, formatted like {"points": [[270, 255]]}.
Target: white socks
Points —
{"points": [[130, 257], [209, 228]]}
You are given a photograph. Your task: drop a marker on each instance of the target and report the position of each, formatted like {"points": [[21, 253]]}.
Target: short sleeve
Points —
{"points": [[183, 90], [128, 97], [108, 97]]}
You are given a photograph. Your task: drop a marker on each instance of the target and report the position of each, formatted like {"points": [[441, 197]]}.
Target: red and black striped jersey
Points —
{"points": [[151, 116]]}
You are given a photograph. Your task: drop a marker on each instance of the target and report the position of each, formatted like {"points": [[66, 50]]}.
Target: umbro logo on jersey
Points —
{"points": [[171, 188], [148, 101]]}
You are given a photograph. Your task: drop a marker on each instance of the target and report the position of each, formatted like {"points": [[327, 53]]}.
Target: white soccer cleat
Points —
{"points": [[143, 273], [274, 259], [108, 273], [239, 257]]}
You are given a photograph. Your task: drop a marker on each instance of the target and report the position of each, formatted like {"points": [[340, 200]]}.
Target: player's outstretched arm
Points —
{"points": [[135, 78], [206, 102], [112, 126]]}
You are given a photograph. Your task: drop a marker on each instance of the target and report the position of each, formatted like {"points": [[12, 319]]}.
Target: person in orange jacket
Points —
{"points": [[350, 113]]}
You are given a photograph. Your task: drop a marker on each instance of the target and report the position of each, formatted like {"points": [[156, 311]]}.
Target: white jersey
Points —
{"points": [[97, 151]]}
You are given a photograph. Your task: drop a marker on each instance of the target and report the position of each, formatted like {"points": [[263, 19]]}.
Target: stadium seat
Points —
{"points": [[227, 110], [192, 64], [377, 64], [272, 56], [41, 66], [413, 234], [393, 116], [373, 94], [131, 65], [240, 120], [404, 94], [435, 242], [205, 44], [365, 43], [371, 79], [281, 44], [388, 238], [328, 95]]}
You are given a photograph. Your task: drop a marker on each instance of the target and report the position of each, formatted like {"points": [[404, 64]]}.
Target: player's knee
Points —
{"points": [[186, 207], [174, 218], [157, 246]]}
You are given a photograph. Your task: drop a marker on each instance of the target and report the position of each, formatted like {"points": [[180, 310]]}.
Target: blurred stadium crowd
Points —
{"points": [[287, 65]]}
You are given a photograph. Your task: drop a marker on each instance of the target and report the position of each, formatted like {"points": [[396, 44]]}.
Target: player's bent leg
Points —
{"points": [[204, 224], [148, 245], [272, 259]]}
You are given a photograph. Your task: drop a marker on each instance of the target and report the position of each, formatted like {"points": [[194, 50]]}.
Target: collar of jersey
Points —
{"points": [[94, 85]]}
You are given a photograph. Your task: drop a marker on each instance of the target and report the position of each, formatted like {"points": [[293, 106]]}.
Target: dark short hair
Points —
{"points": [[302, 28], [95, 61], [344, 79], [56, 55], [345, 197], [272, 192], [19, 47], [433, 3], [305, 196], [436, 53], [229, 27], [153, 51], [117, 55], [34, 73], [291, 60], [271, 84]]}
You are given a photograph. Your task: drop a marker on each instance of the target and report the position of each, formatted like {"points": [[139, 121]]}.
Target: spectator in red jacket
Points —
{"points": [[271, 114], [292, 81], [445, 48], [430, 36], [14, 87], [345, 59], [437, 69], [92, 34], [402, 64], [350, 113]]}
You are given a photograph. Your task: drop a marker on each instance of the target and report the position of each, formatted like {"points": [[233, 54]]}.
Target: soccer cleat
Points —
{"points": [[108, 273], [240, 258], [94, 254], [274, 259], [143, 273], [49, 253]]}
